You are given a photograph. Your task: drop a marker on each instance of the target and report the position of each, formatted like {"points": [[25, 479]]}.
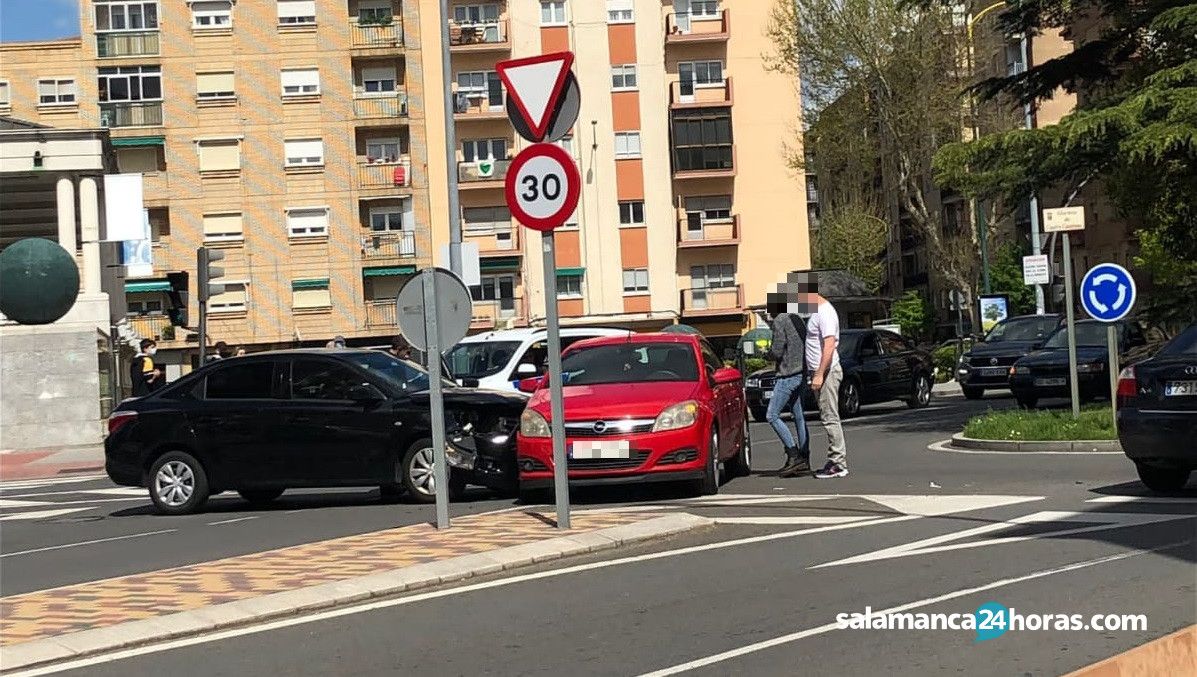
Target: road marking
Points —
{"points": [[945, 446], [31, 484], [41, 514], [83, 543], [114, 491], [801, 519], [235, 519], [1143, 499], [935, 504], [6, 503], [956, 594]]}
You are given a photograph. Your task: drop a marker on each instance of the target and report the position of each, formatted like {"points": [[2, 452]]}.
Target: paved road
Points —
{"points": [[758, 593]]}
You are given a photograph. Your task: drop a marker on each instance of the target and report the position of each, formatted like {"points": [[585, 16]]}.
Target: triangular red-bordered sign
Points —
{"points": [[536, 83]]}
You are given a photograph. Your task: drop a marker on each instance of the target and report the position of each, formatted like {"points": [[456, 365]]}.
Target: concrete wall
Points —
{"points": [[51, 389]]}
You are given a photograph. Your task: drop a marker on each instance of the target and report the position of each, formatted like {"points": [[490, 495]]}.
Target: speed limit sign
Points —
{"points": [[543, 186]]}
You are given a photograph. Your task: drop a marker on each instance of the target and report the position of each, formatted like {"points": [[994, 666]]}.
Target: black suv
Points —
{"points": [[986, 366]]}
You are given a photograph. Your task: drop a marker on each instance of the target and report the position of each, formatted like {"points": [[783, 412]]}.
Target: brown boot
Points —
{"points": [[801, 466], [792, 460]]}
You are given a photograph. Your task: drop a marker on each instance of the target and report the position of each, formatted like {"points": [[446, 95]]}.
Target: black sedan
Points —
{"points": [[265, 423], [987, 365], [878, 366], [1157, 414], [1044, 373]]}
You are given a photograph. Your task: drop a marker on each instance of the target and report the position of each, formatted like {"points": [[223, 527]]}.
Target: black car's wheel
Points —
{"points": [[1026, 401], [1165, 480], [758, 413], [417, 472], [178, 483], [261, 496], [741, 465], [973, 393], [920, 393], [849, 398], [708, 485]]}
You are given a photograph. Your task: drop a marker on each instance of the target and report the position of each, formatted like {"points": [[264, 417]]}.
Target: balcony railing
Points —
{"points": [[388, 246], [496, 314], [482, 171], [496, 243], [481, 37], [380, 106], [376, 35], [699, 95], [476, 106], [156, 327], [690, 27], [131, 114], [373, 175], [708, 233], [141, 43], [713, 301], [380, 313]]}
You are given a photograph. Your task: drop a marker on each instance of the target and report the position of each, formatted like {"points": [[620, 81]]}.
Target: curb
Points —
{"points": [[1164, 656], [86, 643], [959, 441]]}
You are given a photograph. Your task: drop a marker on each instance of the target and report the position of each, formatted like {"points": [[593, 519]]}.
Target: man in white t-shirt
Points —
{"points": [[823, 365]]}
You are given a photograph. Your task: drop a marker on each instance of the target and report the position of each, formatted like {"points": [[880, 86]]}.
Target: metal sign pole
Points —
{"points": [[1112, 342], [1072, 384], [450, 144], [439, 462], [557, 403]]}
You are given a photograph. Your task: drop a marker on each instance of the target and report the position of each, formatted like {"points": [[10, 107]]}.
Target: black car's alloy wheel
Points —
{"points": [[849, 399], [418, 474], [178, 483], [920, 395]]}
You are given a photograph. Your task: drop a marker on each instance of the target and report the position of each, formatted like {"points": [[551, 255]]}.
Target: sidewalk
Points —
{"points": [[37, 464], [100, 616]]}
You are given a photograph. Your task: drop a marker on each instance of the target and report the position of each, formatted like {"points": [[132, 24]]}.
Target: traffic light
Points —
{"points": [[179, 292], [207, 273]]}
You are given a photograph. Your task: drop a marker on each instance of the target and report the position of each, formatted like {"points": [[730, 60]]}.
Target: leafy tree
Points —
{"points": [[1005, 277], [853, 237], [913, 314]]}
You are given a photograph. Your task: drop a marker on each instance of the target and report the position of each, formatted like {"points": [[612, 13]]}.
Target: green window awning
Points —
{"points": [[310, 284], [146, 285], [388, 271], [570, 272], [500, 263], [140, 141]]}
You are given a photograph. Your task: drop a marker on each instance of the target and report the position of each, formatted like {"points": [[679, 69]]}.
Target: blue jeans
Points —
{"points": [[787, 392]]}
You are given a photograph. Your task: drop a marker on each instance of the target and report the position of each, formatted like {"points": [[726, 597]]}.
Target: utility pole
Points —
{"points": [[450, 146], [1029, 116]]}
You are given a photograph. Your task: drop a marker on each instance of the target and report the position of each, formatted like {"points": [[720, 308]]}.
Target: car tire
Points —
{"points": [[758, 413], [849, 398], [1026, 401], [920, 395], [1163, 480], [178, 484], [972, 393], [741, 465], [261, 496], [708, 484], [417, 472]]}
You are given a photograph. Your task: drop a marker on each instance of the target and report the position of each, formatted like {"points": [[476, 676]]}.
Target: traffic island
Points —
{"points": [[88, 619], [1041, 431]]}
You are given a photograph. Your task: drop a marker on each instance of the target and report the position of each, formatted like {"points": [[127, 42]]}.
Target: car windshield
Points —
{"points": [[1185, 343], [481, 359], [630, 363], [405, 375], [1022, 329], [1087, 334]]}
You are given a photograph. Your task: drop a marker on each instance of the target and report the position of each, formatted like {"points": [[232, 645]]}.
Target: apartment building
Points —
{"points": [[305, 139]]}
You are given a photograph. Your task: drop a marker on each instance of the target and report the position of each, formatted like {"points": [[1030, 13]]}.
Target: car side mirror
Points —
{"points": [[531, 385], [726, 375], [525, 369], [364, 393]]}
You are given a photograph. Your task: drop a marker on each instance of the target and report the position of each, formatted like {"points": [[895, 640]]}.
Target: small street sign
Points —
{"points": [[1063, 219], [534, 86], [1108, 292], [1036, 269], [543, 186]]}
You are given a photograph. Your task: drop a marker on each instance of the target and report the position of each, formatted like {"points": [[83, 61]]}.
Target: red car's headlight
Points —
{"points": [[681, 415]]}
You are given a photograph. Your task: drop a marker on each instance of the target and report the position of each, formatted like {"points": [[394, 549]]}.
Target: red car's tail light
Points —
{"points": [[1127, 385], [119, 419]]}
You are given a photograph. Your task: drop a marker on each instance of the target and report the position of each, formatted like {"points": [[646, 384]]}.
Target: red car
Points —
{"points": [[640, 408]]}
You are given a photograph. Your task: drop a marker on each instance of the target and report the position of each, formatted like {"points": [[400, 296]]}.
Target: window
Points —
{"points": [[704, 9], [714, 276], [231, 300], [5, 94], [222, 227], [383, 150], [214, 85], [891, 343], [1014, 62], [620, 12], [374, 13], [379, 80], [474, 85], [303, 152], [484, 220], [308, 222], [310, 294], [635, 280], [702, 139], [143, 308], [623, 77], [126, 16], [292, 12], [130, 83], [241, 381], [569, 285], [51, 92], [388, 220], [140, 159], [631, 213], [627, 145], [472, 15], [701, 73], [552, 12], [301, 81], [473, 150], [218, 155], [495, 288], [322, 380], [709, 209], [212, 14]]}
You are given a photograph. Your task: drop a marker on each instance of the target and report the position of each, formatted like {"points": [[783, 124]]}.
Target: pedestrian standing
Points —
{"points": [[143, 374], [823, 364], [221, 352], [788, 350], [239, 352], [400, 348]]}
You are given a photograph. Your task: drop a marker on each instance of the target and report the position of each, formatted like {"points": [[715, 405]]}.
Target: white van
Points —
{"points": [[499, 360]]}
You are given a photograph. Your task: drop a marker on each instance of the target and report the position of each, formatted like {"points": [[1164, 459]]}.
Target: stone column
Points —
{"points": [[66, 215], [89, 216]]}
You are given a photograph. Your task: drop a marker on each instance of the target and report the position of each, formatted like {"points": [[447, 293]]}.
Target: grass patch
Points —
{"points": [[1094, 423]]}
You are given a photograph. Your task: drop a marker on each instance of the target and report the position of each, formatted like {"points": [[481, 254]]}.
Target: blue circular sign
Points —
{"points": [[1108, 292]]}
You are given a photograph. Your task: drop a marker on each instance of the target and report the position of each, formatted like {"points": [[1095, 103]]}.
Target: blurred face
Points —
{"points": [[798, 295]]}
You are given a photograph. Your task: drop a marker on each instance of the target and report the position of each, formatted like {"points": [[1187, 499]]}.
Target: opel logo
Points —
{"points": [[600, 427], [1191, 371], [993, 360]]}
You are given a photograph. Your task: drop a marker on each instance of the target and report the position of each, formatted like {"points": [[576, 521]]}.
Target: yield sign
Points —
{"points": [[535, 83]]}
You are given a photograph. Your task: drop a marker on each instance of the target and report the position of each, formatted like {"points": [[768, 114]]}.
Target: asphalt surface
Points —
{"points": [[946, 532]]}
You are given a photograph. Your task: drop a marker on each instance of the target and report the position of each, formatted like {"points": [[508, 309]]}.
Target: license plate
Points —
{"points": [[767, 394], [1047, 382], [604, 449], [1180, 388], [994, 371]]}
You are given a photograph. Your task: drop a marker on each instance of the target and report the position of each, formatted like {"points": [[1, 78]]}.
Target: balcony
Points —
{"points": [[131, 114], [477, 106], [498, 314], [383, 248], [156, 327], [482, 174], [497, 243], [138, 43], [708, 234], [375, 176], [687, 27], [380, 313], [385, 107], [376, 35], [695, 95], [704, 162], [713, 302], [487, 37]]}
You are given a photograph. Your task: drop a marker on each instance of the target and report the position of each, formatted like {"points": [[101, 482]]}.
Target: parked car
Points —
{"points": [[1044, 373], [268, 422], [1157, 413], [640, 408], [499, 360], [986, 366], [878, 366]]}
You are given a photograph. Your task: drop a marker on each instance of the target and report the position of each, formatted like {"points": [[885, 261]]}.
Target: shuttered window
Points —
{"points": [[216, 155], [225, 226], [214, 85]]}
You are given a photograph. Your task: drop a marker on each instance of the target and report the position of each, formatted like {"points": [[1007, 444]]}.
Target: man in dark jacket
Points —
{"points": [[789, 338], [143, 374]]}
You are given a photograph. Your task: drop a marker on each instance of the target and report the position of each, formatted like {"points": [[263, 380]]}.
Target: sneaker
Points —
{"points": [[799, 467], [831, 470]]}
